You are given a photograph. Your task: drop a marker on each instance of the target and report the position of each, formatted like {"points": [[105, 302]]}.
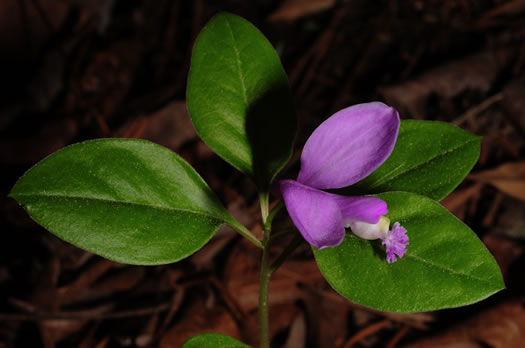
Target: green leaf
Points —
{"points": [[239, 98], [128, 200], [445, 265], [213, 340], [430, 158]]}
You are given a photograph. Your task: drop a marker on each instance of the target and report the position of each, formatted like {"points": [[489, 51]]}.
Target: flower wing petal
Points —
{"points": [[361, 208], [349, 146], [315, 213]]}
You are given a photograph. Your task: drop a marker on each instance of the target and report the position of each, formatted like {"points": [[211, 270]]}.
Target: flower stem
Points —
{"points": [[264, 281], [264, 276]]}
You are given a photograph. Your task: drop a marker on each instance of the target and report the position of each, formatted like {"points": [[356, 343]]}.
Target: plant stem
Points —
{"points": [[271, 216], [264, 276], [246, 233], [264, 198], [264, 281]]}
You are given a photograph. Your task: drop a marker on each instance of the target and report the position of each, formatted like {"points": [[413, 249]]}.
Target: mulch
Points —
{"points": [[77, 70]]}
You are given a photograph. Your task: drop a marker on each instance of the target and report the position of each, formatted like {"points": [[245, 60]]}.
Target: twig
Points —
{"points": [[367, 54], [235, 309], [84, 315], [488, 220], [397, 337], [43, 15], [136, 128], [175, 304], [367, 331], [283, 232], [290, 248], [318, 50], [477, 109], [415, 320], [103, 343], [102, 125]]}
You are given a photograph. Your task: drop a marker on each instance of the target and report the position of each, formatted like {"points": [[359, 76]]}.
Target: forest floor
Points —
{"points": [[77, 70]]}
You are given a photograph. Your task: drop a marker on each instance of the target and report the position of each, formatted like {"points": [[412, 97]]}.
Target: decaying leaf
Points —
{"points": [[474, 73], [499, 327], [509, 178], [294, 9]]}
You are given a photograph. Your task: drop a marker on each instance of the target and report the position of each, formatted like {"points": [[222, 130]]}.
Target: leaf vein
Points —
{"points": [[105, 200], [239, 64], [420, 259], [391, 177]]}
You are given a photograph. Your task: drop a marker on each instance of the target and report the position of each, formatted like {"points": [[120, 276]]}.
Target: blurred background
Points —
{"points": [[73, 70]]}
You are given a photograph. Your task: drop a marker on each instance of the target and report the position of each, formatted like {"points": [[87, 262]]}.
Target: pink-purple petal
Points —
{"points": [[361, 208], [316, 214], [349, 146]]}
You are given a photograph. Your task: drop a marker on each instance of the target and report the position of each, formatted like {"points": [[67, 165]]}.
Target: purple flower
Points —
{"points": [[344, 149]]}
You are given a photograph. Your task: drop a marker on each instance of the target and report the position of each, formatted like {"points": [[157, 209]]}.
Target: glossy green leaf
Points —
{"points": [[446, 265], [128, 200], [239, 98], [213, 340], [430, 158]]}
